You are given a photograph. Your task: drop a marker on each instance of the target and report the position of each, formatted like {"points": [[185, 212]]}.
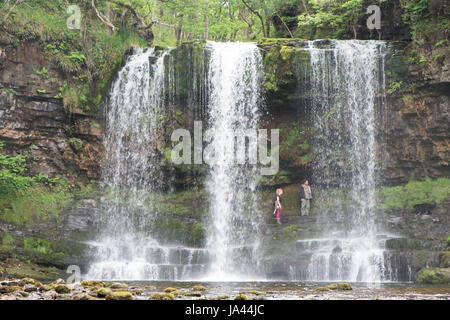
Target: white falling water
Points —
{"points": [[125, 248], [345, 83], [235, 75]]}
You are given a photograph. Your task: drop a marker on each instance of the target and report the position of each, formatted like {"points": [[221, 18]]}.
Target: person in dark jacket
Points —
{"points": [[305, 197]]}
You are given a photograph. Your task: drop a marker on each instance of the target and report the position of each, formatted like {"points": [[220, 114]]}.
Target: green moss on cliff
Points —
{"points": [[434, 276], [413, 193], [8, 242], [18, 269], [42, 249], [198, 235], [280, 64], [403, 244], [176, 231], [294, 145], [37, 204]]}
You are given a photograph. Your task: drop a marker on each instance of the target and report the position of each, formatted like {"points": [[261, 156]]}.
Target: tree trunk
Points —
{"points": [[268, 27], [263, 27]]}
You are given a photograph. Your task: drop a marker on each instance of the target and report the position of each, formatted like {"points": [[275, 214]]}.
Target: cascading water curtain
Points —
{"points": [[131, 170], [235, 82], [345, 82]]}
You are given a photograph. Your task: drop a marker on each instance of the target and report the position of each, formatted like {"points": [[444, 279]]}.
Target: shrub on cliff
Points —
{"points": [[12, 173], [414, 193]]}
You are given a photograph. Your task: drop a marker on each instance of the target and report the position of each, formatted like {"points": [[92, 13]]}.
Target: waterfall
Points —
{"points": [[132, 172], [125, 248], [235, 82], [346, 79]]}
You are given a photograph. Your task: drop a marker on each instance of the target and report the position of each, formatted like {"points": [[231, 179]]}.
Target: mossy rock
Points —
{"points": [[92, 283], [193, 294], [199, 288], [223, 297], [32, 281], [157, 296], [9, 289], [255, 293], [170, 290], [30, 288], [242, 296], [168, 296], [61, 288], [339, 286], [103, 292], [137, 292], [434, 276], [323, 289], [119, 295], [117, 285]]}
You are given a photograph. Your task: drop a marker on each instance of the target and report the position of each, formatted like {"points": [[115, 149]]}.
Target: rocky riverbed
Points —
{"points": [[31, 289]]}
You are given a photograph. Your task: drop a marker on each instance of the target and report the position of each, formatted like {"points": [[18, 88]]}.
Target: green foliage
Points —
{"points": [[43, 72], [12, 174], [415, 192], [173, 231], [8, 242], [38, 203], [25, 198], [441, 43], [291, 231], [330, 19], [37, 245], [278, 64], [402, 86], [439, 56], [395, 86], [77, 57], [76, 143], [294, 146], [415, 10], [198, 235], [428, 20], [9, 90]]}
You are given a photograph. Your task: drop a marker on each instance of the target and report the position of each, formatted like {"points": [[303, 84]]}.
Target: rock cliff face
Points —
{"points": [[34, 123], [33, 120], [417, 118], [60, 143], [417, 137]]}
